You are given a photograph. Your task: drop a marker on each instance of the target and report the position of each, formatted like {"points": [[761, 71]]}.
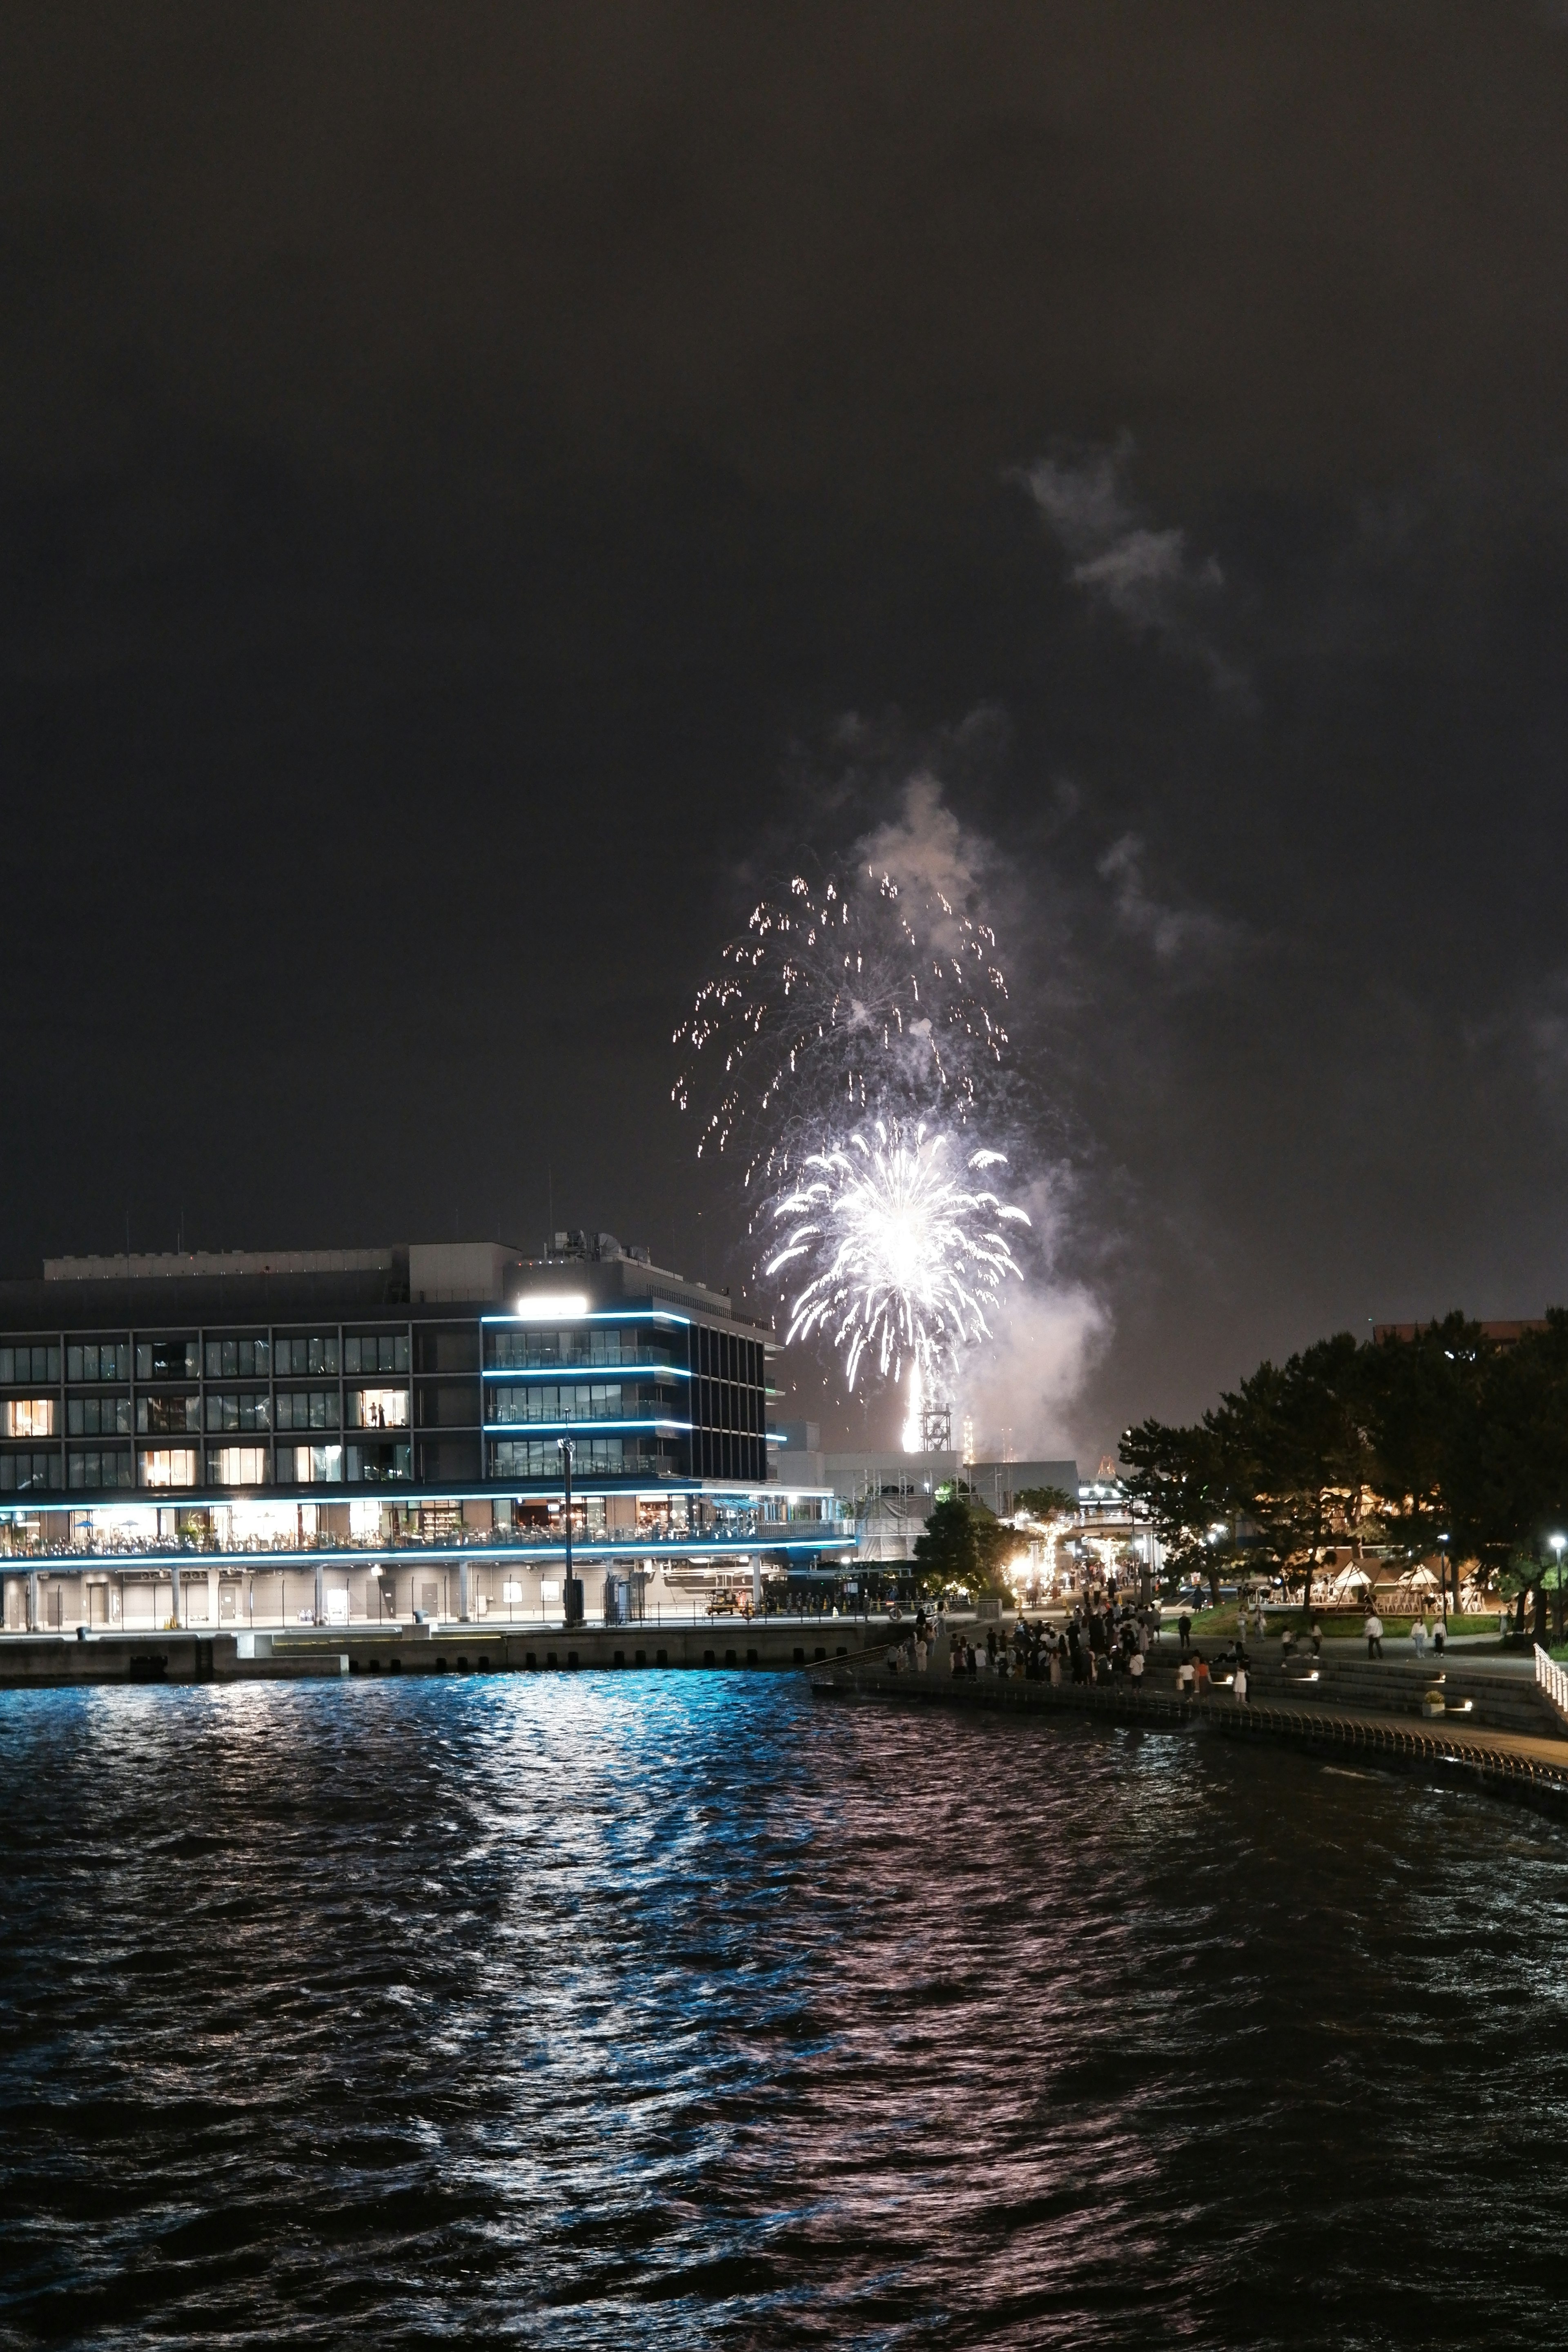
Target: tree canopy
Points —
{"points": [[963, 1544], [1046, 1502], [1403, 1441]]}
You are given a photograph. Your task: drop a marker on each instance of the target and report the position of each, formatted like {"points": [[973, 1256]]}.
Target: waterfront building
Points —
{"points": [[339, 1436]]}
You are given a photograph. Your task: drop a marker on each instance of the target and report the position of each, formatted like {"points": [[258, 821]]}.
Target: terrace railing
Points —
{"points": [[1550, 1678]]}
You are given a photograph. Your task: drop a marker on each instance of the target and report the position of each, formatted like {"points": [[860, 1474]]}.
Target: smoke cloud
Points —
{"points": [[1145, 576]]}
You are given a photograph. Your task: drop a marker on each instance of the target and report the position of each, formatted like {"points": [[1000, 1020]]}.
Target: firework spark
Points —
{"points": [[904, 1256], [842, 1004]]}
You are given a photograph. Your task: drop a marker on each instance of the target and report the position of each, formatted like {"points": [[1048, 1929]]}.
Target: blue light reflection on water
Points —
{"points": [[677, 2010]]}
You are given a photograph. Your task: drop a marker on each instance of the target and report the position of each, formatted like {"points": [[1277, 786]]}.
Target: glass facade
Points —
{"points": [[232, 1448]]}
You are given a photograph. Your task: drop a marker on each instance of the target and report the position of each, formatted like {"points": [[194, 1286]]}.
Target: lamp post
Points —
{"points": [[1557, 1543], [571, 1588], [1443, 1555]]}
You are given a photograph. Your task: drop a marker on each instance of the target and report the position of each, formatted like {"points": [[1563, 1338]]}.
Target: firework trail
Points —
{"points": [[903, 1256], [840, 1004]]}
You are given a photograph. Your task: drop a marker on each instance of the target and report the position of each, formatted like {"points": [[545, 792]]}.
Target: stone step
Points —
{"points": [[1501, 1702]]}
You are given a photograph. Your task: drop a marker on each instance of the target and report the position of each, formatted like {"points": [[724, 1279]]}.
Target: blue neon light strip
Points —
{"points": [[592, 1315], [421, 1554], [571, 1428], [573, 1373]]}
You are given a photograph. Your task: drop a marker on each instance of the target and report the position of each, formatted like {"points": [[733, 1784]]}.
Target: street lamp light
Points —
{"points": [[571, 1586]]}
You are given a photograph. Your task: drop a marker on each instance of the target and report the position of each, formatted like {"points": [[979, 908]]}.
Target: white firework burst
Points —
{"points": [[845, 1001], [904, 1256]]}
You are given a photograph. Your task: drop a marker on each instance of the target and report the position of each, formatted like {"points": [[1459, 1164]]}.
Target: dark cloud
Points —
{"points": [[457, 471]]}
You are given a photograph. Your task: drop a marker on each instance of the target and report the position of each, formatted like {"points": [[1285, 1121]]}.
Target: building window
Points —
{"points": [[21, 1364], [20, 1472], [239, 1360], [378, 1409], [306, 1408], [539, 1457], [376, 1465], [244, 1409], [172, 1465], [385, 1351], [521, 1351], [310, 1465], [98, 1416], [580, 1401], [99, 1360], [111, 1468], [28, 1417], [168, 1359], [237, 1465], [167, 1416], [298, 1358]]}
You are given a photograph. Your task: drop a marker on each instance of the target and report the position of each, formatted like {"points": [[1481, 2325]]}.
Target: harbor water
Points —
{"points": [[683, 2009]]}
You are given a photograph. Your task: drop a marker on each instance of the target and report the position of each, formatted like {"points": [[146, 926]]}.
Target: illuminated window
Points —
{"points": [[173, 1465], [378, 1408], [237, 1465], [28, 1417], [310, 1465]]}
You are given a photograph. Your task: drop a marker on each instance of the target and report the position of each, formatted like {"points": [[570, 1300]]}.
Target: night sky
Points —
{"points": [[487, 490]]}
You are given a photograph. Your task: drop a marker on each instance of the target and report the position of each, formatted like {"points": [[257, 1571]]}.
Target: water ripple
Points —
{"points": [[676, 2011]]}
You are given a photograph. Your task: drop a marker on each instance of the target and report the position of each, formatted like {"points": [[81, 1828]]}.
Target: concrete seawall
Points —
{"points": [[39, 1660], [1526, 1769]]}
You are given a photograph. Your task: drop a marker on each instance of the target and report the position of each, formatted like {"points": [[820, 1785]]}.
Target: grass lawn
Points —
{"points": [[1219, 1625]]}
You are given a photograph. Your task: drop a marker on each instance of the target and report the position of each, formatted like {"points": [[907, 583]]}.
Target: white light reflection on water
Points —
{"points": [[668, 2010]]}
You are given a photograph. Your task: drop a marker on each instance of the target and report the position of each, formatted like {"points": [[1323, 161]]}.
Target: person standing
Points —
{"points": [[1374, 1632], [1418, 1637], [1238, 1686], [1184, 1632], [1317, 1639], [1439, 1636]]}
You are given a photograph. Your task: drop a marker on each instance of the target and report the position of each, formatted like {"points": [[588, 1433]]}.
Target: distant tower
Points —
{"points": [[936, 1429]]}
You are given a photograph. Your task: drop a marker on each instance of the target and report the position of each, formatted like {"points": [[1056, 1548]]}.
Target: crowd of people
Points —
{"points": [[1104, 1638], [1100, 1640]]}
